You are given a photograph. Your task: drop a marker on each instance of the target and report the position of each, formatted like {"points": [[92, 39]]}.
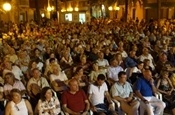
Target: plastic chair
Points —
{"points": [[158, 96]]}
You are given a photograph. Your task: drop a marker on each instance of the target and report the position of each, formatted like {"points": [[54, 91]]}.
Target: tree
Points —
{"points": [[126, 3], [38, 16]]}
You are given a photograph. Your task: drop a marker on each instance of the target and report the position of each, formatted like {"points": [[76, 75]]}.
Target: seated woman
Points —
{"points": [[80, 77], [164, 86], [58, 80], [95, 72], [12, 83], [17, 105], [48, 104]]}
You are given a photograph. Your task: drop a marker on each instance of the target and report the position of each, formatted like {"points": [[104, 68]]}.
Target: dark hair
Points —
{"points": [[43, 92], [140, 62], [10, 74], [112, 59], [51, 59], [77, 70], [35, 69], [121, 73], [14, 91], [101, 77]]}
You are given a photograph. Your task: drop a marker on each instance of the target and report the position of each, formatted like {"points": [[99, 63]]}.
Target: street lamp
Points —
{"points": [[7, 6], [114, 10]]}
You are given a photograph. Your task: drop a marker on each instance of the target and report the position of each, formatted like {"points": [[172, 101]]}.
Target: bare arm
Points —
{"points": [[157, 86], [66, 109], [7, 109], [108, 97], [29, 107], [140, 95]]}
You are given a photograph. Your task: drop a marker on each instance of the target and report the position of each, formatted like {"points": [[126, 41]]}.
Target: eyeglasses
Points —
{"points": [[17, 108]]}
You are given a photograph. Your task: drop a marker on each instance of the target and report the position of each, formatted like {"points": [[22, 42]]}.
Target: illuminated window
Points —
{"points": [[82, 17], [68, 17]]}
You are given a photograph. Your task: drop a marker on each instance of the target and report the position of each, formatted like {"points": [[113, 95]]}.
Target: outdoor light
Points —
{"points": [[117, 8], [7, 6], [110, 8], [70, 9], [103, 7], [76, 9], [49, 8], [42, 15]]}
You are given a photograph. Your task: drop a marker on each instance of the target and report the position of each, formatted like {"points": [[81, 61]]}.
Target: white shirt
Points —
{"points": [[102, 62], [62, 77], [15, 70], [113, 72], [19, 109], [143, 57], [121, 90], [97, 93]]}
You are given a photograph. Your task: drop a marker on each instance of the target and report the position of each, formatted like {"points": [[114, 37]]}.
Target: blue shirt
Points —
{"points": [[144, 87]]}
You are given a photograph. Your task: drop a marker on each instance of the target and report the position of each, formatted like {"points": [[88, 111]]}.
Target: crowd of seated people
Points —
{"points": [[73, 68]]}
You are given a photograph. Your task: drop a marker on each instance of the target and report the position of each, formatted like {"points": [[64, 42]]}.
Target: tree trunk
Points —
{"points": [[126, 11], [158, 10], [38, 17]]}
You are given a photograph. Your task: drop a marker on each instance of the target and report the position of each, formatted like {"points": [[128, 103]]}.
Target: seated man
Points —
{"points": [[122, 92], [97, 96], [113, 70], [144, 88], [34, 86], [75, 101]]}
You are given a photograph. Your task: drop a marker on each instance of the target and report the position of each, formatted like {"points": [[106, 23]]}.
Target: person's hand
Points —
{"points": [[128, 99], [168, 92], [146, 101], [94, 108], [84, 113], [110, 107], [151, 81]]}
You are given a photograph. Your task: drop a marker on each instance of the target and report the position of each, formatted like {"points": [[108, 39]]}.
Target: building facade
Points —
{"points": [[20, 11], [74, 11]]}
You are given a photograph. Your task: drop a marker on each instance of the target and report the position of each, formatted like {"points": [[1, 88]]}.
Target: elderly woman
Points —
{"points": [[17, 105], [48, 104], [11, 83]]}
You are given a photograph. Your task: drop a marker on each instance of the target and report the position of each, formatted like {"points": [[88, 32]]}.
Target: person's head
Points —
{"points": [[140, 65], [114, 62], [95, 66], [83, 59], [118, 56], [163, 57], [147, 74], [15, 95], [122, 77], [9, 78], [73, 85], [132, 54], [36, 73], [55, 68], [79, 71], [52, 55], [46, 93], [33, 64], [146, 62], [100, 55], [164, 73], [145, 51], [52, 60], [100, 79], [7, 64]]}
